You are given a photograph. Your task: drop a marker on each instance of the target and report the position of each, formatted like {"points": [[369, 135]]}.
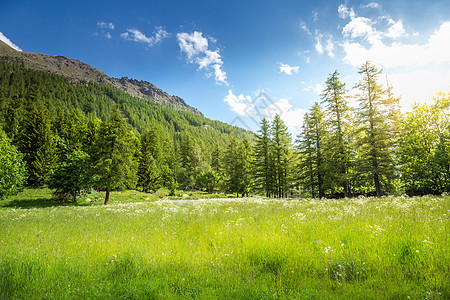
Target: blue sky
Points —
{"points": [[220, 55]]}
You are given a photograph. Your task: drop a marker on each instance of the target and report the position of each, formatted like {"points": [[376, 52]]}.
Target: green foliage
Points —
{"points": [[72, 178], [237, 167], [263, 175], [376, 145], [156, 159], [114, 163], [337, 149], [12, 168], [424, 148], [281, 143], [37, 143], [208, 180], [310, 144]]}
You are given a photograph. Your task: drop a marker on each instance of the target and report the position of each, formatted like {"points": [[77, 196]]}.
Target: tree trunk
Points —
{"points": [[106, 197], [377, 184]]}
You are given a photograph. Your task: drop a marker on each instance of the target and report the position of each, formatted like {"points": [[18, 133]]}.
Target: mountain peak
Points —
{"points": [[78, 71]]}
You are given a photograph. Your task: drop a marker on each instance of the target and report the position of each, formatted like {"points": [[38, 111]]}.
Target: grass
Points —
{"points": [[144, 247]]}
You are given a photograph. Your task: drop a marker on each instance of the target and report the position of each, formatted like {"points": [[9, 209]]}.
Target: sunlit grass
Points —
{"points": [[250, 248]]}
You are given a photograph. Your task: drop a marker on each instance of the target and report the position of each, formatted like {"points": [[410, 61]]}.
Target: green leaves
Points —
{"points": [[72, 178], [115, 148], [12, 168]]}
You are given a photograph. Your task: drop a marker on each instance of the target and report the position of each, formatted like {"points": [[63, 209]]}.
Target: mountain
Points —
{"points": [[79, 71]]}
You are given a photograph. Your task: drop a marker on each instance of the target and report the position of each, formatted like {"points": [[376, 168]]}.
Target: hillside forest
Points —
{"points": [[75, 136]]}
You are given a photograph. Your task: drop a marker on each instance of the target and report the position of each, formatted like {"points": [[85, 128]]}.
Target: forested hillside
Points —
{"points": [[78, 71], [48, 117]]}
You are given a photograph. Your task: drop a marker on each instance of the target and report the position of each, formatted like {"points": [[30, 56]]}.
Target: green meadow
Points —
{"points": [[142, 246]]}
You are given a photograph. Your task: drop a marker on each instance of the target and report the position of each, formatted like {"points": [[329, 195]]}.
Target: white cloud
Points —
{"points": [[361, 27], [195, 45], [108, 35], [105, 25], [345, 12], [8, 42], [305, 28], [192, 44], [315, 15], [319, 47], [396, 30], [372, 5], [292, 118], [137, 36], [318, 88], [330, 47], [435, 51], [239, 104], [419, 85], [285, 68]]}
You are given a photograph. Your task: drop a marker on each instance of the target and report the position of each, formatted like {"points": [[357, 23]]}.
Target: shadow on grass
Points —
{"points": [[34, 198], [36, 203]]}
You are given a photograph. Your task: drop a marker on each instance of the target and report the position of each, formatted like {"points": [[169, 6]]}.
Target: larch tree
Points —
{"points": [[377, 158], [37, 143], [281, 141], [262, 160], [337, 146], [237, 167], [310, 143], [115, 164]]}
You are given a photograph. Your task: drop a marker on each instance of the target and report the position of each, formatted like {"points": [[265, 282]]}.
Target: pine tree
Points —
{"points": [[262, 160], [114, 162], [37, 143], [281, 155], [306, 171], [376, 145], [310, 143], [149, 170], [337, 146], [237, 167]]}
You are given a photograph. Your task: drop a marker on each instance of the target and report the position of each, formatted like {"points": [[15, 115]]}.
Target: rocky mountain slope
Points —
{"points": [[78, 71]]}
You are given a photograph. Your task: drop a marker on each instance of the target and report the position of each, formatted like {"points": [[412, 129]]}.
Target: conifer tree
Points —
{"points": [[337, 146], [237, 167], [310, 143], [37, 143], [377, 148], [306, 171], [262, 160], [114, 162], [281, 156]]}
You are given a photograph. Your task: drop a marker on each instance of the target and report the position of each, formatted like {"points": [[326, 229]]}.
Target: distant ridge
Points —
{"points": [[79, 71]]}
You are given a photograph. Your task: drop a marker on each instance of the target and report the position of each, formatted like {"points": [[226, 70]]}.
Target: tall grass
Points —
{"points": [[253, 248]]}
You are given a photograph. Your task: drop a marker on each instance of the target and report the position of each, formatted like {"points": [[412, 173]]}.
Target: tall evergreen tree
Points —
{"points": [[156, 159], [281, 155], [376, 145], [114, 163], [37, 143], [237, 167], [310, 143], [337, 147], [262, 160]]}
